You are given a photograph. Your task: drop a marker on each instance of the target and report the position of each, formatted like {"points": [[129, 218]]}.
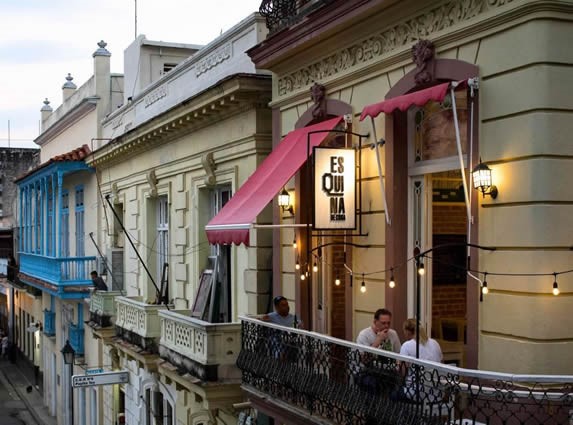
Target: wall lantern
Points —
{"points": [[68, 353], [284, 202], [482, 180]]}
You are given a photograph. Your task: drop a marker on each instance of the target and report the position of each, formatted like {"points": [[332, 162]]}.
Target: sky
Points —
{"points": [[42, 41]]}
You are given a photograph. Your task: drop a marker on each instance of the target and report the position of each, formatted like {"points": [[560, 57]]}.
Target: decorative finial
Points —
{"points": [[68, 84], [46, 106], [102, 51]]}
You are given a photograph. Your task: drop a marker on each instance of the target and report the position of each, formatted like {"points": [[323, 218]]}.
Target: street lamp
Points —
{"points": [[69, 353]]}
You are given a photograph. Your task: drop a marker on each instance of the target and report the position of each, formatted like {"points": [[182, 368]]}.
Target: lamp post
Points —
{"points": [[69, 353]]}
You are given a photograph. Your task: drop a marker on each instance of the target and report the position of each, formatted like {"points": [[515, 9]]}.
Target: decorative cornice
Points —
{"points": [[218, 56], [237, 94], [421, 26]]}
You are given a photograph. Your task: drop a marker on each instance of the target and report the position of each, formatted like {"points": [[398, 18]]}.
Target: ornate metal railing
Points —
{"points": [[207, 350], [280, 14], [346, 383]]}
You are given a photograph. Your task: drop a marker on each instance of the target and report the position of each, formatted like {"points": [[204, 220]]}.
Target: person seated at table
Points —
{"points": [[429, 347], [281, 315], [429, 350]]}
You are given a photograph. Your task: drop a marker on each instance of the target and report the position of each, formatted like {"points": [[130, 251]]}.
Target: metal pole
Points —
{"points": [[71, 393]]}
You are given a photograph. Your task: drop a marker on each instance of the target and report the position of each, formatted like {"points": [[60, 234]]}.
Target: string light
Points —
{"points": [[363, 286], [555, 286], [392, 283], [302, 276], [484, 289], [315, 267], [421, 270], [337, 281], [297, 265], [294, 245]]}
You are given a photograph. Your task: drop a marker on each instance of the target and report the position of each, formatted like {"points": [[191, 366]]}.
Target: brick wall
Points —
{"points": [[449, 300], [449, 218], [338, 309]]}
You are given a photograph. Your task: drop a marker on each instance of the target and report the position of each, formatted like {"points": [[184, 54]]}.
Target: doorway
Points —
{"points": [[438, 219]]}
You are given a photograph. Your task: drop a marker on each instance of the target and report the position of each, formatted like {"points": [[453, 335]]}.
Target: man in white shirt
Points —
{"points": [[380, 335]]}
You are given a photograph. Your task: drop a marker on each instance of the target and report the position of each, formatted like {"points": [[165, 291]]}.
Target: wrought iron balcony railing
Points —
{"points": [[49, 323], [103, 307], [208, 351], [345, 383], [138, 322], [280, 14], [58, 271]]}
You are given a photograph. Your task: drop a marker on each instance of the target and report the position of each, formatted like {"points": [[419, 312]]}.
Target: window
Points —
{"points": [[162, 235], [168, 67], [80, 231], [65, 225], [50, 224], [222, 284]]}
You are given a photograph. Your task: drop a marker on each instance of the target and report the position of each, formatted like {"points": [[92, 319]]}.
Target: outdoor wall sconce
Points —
{"points": [[284, 202], [482, 180]]}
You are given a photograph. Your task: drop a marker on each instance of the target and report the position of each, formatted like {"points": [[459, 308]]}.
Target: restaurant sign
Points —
{"points": [[334, 188]]}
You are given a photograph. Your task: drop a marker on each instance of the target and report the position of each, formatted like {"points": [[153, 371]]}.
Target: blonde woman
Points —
{"points": [[429, 348]]}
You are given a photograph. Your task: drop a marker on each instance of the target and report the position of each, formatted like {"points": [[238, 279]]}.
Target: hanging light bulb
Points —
{"points": [[363, 286], [315, 267], [555, 286], [392, 283], [294, 245], [297, 264], [421, 270], [337, 281], [484, 289], [303, 276]]}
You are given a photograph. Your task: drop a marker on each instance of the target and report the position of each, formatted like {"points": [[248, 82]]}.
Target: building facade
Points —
{"points": [[179, 147], [58, 213], [490, 262]]}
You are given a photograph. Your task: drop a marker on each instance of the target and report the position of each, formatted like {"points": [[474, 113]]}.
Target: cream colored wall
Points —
{"points": [[73, 137], [526, 131], [180, 176], [525, 100]]}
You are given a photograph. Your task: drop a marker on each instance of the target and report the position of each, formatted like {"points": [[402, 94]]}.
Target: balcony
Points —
{"points": [[103, 308], [310, 377], [68, 271], [280, 14], [206, 350], [138, 322], [77, 338], [49, 323]]}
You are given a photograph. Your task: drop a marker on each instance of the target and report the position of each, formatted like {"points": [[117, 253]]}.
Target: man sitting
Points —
{"points": [[379, 334]]}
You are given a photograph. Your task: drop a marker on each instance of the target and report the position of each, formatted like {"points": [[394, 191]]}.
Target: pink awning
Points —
{"points": [[418, 98], [232, 223]]}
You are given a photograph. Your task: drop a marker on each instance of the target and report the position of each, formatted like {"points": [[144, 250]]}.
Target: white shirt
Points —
{"points": [[429, 351], [368, 336]]}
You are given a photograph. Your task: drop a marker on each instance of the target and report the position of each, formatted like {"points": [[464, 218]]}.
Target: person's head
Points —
{"points": [[382, 319], [410, 330], [281, 305], [93, 275]]}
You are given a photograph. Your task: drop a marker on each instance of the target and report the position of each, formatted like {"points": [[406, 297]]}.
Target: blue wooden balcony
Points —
{"points": [[49, 323], [77, 339], [57, 275]]}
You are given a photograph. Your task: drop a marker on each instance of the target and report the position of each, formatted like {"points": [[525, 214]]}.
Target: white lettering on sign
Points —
{"points": [[106, 378]]}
